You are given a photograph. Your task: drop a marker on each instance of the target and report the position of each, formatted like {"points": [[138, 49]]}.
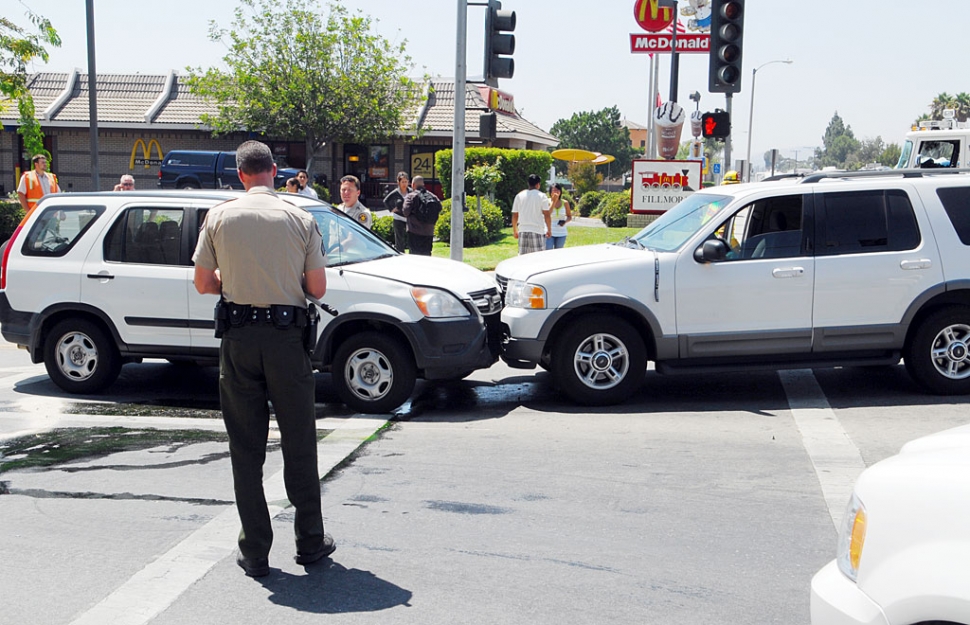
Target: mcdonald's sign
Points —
{"points": [[651, 16], [146, 154]]}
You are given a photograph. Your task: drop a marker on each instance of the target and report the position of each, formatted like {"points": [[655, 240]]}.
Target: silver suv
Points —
{"points": [[92, 281], [832, 270]]}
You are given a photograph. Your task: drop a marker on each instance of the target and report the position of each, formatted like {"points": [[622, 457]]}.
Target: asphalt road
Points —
{"points": [[704, 500]]}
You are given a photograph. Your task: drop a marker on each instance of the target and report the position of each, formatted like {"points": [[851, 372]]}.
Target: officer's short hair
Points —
{"points": [[38, 157], [254, 157], [352, 179]]}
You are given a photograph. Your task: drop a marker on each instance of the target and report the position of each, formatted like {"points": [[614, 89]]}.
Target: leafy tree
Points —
{"points": [[840, 147], [584, 177], [295, 74], [597, 131], [18, 47], [890, 156]]}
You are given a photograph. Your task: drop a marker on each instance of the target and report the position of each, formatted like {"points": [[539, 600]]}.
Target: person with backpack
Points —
{"points": [[421, 207]]}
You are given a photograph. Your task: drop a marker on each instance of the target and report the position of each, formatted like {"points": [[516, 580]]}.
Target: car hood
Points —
{"points": [[957, 438], [522, 267], [426, 271]]}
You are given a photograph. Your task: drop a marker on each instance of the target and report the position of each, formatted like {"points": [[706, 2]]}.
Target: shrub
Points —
{"points": [[474, 233], [589, 202], [515, 167], [10, 215], [384, 228], [615, 208]]}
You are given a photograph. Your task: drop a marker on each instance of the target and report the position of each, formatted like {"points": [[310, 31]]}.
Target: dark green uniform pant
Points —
{"points": [[259, 363]]}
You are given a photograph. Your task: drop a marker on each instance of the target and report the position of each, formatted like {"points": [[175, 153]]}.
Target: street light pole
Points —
{"points": [[754, 74]]}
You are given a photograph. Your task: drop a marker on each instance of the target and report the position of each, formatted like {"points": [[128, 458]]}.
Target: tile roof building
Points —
{"points": [[143, 116]]}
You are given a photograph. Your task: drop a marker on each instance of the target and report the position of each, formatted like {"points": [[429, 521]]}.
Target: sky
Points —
{"points": [[879, 65]]}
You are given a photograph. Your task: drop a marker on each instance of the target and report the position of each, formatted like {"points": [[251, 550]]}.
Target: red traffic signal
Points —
{"points": [[716, 125]]}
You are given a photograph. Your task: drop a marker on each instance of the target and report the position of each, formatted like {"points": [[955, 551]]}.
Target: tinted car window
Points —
{"points": [[956, 203], [867, 221], [58, 228], [191, 158], [146, 235]]}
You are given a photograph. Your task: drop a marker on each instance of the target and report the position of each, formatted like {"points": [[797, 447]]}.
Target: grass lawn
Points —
{"points": [[487, 257]]}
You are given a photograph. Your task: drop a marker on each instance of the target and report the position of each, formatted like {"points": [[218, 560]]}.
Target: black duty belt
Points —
{"points": [[277, 315]]}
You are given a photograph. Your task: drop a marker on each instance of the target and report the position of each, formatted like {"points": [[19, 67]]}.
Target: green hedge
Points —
{"points": [[477, 230], [384, 228], [516, 165], [10, 215], [614, 208], [589, 202]]}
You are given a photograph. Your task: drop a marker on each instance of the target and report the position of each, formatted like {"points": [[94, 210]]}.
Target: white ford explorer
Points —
{"points": [[92, 281], [834, 269]]}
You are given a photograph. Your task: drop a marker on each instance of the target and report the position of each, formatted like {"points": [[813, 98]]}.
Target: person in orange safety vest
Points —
{"points": [[36, 183]]}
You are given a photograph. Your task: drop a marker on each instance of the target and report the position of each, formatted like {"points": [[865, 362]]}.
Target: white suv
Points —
{"points": [[834, 269], [95, 280]]}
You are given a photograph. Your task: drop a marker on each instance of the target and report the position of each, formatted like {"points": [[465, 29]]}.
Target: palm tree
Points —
{"points": [[940, 103], [962, 101]]}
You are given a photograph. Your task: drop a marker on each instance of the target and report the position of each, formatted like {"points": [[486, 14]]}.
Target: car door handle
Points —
{"points": [[101, 276], [788, 272], [923, 263]]}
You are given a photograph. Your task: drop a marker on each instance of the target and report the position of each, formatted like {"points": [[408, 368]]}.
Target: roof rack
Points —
{"points": [[903, 173]]}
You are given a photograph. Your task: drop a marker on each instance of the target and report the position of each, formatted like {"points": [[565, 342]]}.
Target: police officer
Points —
{"points": [[263, 256]]}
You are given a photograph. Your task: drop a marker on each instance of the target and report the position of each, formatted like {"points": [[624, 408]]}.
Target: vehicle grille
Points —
{"points": [[488, 301], [503, 284]]}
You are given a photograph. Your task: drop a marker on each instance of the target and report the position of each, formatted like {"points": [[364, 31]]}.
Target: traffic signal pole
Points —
{"points": [[458, 140], [728, 99]]}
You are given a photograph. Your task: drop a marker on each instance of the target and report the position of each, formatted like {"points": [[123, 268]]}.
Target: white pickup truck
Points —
{"points": [[937, 143]]}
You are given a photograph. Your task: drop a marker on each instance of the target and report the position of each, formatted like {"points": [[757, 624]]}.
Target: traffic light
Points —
{"points": [[716, 125], [727, 32], [487, 125], [499, 43]]}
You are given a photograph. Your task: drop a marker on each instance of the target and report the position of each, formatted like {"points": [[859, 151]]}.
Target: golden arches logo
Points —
{"points": [[651, 16], [146, 154]]}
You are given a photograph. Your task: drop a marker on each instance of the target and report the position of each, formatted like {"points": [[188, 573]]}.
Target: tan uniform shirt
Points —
{"points": [[261, 246]]}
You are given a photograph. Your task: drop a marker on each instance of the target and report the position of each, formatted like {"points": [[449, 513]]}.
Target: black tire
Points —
{"points": [[188, 186], [373, 373], [938, 355], [80, 358], [599, 360]]}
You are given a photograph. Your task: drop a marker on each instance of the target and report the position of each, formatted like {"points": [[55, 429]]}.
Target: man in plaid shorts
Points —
{"points": [[531, 221]]}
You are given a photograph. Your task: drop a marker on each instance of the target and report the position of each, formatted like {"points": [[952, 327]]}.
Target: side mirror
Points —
{"points": [[713, 250]]}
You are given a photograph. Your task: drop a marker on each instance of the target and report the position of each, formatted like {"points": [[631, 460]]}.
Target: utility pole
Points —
{"points": [[93, 98], [458, 141]]}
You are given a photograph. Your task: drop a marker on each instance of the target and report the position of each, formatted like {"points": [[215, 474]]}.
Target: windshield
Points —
{"points": [[672, 229], [346, 242], [904, 155]]}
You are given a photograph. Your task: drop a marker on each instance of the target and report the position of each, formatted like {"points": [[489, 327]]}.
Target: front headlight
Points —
{"points": [[852, 537], [436, 304], [524, 295]]}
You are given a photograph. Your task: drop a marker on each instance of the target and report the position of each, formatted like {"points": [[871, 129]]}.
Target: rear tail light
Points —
{"points": [[6, 257]]}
